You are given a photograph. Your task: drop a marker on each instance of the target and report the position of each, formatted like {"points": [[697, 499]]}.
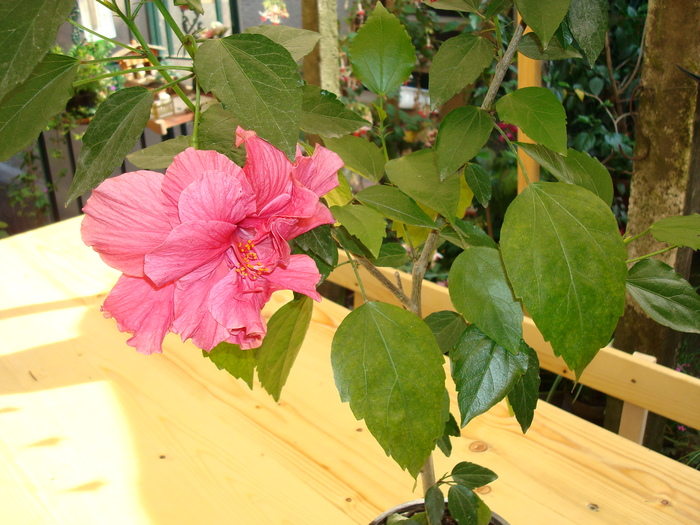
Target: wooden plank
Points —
{"points": [[657, 388], [529, 75]]}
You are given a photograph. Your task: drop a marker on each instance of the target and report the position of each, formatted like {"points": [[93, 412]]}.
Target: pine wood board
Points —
{"points": [[93, 432]]}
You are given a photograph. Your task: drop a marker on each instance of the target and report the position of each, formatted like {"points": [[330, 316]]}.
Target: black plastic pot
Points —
{"points": [[418, 505]]}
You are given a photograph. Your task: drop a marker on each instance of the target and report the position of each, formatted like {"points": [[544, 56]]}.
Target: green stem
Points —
{"points": [[651, 254], [127, 71], [502, 67], [186, 42], [630, 239], [173, 83], [154, 60], [197, 113], [109, 5], [499, 35], [515, 152], [102, 60], [353, 264], [83, 28]]}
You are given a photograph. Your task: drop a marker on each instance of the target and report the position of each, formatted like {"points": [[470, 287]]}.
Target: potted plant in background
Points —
{"points": [[253, 230]]}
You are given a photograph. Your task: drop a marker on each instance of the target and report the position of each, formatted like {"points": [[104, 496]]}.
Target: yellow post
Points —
{"points": [[529, 74]]}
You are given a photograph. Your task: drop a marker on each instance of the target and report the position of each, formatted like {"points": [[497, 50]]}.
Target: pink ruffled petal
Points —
{"points": [[142, 309], [188, 167], [247, 341], [236, 302], [217, 196], [319, 172], [125, 219], [188, 246], [300, 275], [267, 168]]}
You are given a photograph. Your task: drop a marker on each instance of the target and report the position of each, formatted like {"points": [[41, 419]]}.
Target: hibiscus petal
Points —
{"points": [[188, 246], [301, 275], [267, 169], [217, 196], [142, 309], [188, 167], [236, 303], [319, 172], [125, 219]]}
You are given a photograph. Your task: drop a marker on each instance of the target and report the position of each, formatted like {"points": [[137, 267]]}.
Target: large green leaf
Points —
{"points": [[471, 475], [479, 290], [341, 194], [391, 254], [483, 372], [258, 81], [669, 299], [395, 204], [463, 505], [543, 16], [539, 113], [26, 109], [458, 63], [299, 42], [447, 327], [360, 155], [387, 364], [364, 223], [576, 168], [323, 114], [160, 155], [479, 181], [320, 241], [532, 47], [523, 397], [462, 134], [381, 54], [678, 231], [417, 176], [115, 128], [239, 363], [27, 31], [434, 505], [471, 6], [566, 260], [588, 22], [465, 234], [217, 131], [285, 334]]}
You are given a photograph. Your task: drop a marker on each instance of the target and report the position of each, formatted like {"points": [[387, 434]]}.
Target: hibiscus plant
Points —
{"points": [[244, 209]]}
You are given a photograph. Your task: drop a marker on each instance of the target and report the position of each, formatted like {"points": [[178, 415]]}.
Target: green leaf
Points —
{"points": [[463, 505], [381, 54], [434, 505], [113, 131], [299, 42], [471, 6], [483, 372], [160, 155], [27, 32], [351, 243], [523, 397], [360, 155], [341, 194], [391, 254], [577, 168], [669, 299], [458, 63], [465, 234], [417, 176], [532, 47], [539, 113], [239, 363], [565, 258], [217, 131], [678, 231], [479, 290], [323, 114], [496, 7], [447, 326], [364, 223], [543, 16], [395, 204], [26, 109], [387, 364], [451, 430], [588, 21], [479, 181], [471, 475], [258, 81], [195, 5], [319, 241], [285, 334], [461, 135]]}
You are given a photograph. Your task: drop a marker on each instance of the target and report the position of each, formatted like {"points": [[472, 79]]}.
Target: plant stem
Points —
{"points": [[353, 264], [191, 50], [427, 474], [395, 290], [648, 255], [630, 239], [419, 269], [83, 28], [127, 71], [502, 67], [197, 113], [173, 83]]}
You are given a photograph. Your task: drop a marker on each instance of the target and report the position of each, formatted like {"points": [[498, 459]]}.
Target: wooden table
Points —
{"points": [[93, 432]]}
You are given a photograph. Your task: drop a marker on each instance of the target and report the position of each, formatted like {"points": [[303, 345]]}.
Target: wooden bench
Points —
{"points": [[637, 380]]}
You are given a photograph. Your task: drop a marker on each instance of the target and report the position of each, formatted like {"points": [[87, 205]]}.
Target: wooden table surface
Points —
{"points": [[93, 432]]}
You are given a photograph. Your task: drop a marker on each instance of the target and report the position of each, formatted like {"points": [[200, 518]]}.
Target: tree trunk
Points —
{"points": [[666, 178], [321, 66]]}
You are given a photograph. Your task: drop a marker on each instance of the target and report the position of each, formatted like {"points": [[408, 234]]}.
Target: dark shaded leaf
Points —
{"points": [[471, 475], [451, 430], [523, 397], [447, 327], [543, 16], [391, 254], [465, 234], [463, 505], [532, 47], [479, 181], [319, 241], [462, 134], [588, 21], [434, 505]]}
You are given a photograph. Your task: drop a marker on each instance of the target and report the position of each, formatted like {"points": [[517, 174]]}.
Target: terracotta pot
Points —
{"points": [[412, 507]]}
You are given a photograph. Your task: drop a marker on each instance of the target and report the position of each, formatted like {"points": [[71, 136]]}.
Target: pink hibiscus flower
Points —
{"points": [[203, 247]]}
